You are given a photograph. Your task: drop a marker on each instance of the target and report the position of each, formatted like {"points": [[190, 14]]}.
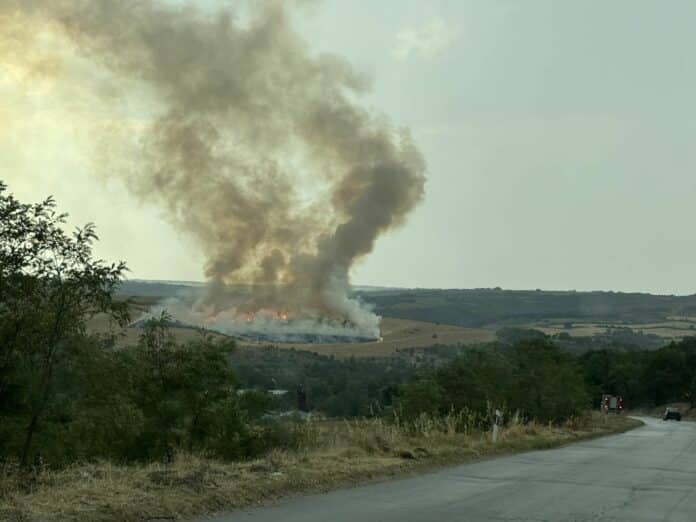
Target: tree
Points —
{"points": [[50, 286], [421, 396], [548, 384], [477, 379], [180, 389], [535, 377]]}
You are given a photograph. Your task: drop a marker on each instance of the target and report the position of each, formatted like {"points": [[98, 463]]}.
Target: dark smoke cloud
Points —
{"points": [[256, 151]]}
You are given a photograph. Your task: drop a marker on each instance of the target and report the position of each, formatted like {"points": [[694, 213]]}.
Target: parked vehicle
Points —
{"points": [[672, 414], [612, 404]]}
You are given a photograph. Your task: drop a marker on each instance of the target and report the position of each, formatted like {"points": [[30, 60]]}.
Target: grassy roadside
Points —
{"points": [[328, 455]]}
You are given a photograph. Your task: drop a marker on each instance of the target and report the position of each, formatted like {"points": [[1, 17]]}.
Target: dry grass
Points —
{"points": [[669, 329], [126, 336], [396, 333], [331, 454], [399, 334]]}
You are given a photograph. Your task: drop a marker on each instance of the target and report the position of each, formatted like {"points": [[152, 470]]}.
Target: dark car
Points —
{"points": [[671, 414]]}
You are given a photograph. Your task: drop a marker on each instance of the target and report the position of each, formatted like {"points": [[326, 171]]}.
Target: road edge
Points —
{"points": [[424, 467]]}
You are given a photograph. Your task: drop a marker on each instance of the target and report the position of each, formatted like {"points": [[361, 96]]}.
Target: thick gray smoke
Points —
{"points": [[251, 143]]}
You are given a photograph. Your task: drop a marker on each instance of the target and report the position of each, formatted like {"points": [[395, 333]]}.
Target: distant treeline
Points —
{"points": [[500, 307], [644, 378], [525, 370], [542, 381], [617, 339]]}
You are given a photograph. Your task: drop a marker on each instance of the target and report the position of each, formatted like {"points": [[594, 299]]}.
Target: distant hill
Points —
{"points": [[156, 289], [487, 307], [496, 307]]}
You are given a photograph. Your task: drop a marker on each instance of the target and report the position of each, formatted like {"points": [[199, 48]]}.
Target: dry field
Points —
{"points": [[331, 455], [669, 329], [579, 330], [396, 333], [130, 336]]}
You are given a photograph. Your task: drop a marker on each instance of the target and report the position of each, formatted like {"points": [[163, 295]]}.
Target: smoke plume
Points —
{"points": [[251, 143]]}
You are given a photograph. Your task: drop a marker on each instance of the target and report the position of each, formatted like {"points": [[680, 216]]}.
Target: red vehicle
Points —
{"points": [[612, 404]]}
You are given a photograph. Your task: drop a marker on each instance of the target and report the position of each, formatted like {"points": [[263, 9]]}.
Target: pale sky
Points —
{"points": [[558, 137]]}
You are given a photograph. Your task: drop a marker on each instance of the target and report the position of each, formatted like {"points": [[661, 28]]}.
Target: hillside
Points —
{"points": [[496, 307], [417, 318], [491, 307]]}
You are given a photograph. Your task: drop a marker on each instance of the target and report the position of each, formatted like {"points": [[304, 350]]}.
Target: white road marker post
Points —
{"points": [[498, 414]]}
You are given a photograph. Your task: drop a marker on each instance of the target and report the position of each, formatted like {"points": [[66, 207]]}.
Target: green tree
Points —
{"points": [[180, 389], [97, 416], [535, 377], [548, 383], [422, 396], [476, 380], [50, 286]]}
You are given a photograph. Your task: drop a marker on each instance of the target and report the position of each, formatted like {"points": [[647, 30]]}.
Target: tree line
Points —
{"points": [[543, 381], [644, 378]]}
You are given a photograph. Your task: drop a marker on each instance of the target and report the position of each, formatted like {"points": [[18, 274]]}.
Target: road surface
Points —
{"points": [[647, 474]]}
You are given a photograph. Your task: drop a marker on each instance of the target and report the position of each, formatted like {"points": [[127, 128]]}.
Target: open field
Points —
{"points": [[668, 329], [397, 334], [129, 336], [400, 334], [329, 455], [424, 318]]}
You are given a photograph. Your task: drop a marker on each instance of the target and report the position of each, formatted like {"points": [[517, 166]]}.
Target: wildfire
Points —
{"points": [[247, 317], [273, 324]]}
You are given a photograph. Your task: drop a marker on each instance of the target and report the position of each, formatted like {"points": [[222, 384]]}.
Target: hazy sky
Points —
{"points": [[558, 137]]}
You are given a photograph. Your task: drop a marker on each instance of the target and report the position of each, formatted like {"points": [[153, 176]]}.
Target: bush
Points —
{"points": [[535, 378], [423, 396]]}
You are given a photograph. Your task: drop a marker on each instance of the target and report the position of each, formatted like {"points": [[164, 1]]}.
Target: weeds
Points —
{"points": [[322, 455]]}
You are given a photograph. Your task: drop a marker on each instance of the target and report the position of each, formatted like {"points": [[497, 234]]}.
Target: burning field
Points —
{"points": [[264, 325], [253, 146], [396, 335], [286, 332]]}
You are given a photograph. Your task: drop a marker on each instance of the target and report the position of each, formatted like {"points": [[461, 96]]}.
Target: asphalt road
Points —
{"points": [[647, 474]]}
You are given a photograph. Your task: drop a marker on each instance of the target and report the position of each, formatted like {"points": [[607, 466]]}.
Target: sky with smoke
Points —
{"points": [[557, 139], [249, 143]]}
